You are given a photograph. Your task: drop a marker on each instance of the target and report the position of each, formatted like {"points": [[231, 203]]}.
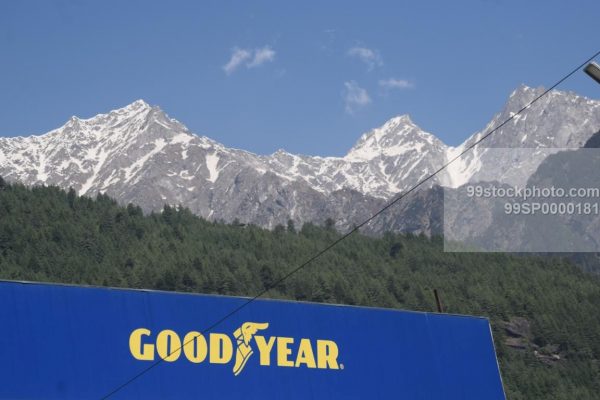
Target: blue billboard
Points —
{"points": [[72, 342]]}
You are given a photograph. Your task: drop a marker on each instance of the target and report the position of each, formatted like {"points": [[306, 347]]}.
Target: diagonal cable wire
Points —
{"points": [[390, 204]]}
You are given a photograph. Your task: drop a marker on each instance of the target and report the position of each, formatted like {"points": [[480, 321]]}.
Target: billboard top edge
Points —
{"points": [[23, 282]]}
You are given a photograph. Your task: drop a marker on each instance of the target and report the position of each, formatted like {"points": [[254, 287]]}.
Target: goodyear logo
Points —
{"points": [[218, 348]]}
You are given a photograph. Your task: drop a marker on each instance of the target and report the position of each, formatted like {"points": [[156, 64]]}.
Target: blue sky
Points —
{"points": [[309, 78]]}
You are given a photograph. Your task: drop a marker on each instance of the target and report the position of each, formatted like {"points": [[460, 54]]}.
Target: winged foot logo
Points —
{"points": [[243, 335], [279, 351]]}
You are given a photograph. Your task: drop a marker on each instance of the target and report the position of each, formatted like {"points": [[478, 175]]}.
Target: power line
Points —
{"points": [[395, 200]]}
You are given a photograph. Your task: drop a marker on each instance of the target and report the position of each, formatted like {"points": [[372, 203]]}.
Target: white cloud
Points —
{"points": [[249, 58], [370, 57], [393, 83], [261, 56], [238, 57], [355, 97]]}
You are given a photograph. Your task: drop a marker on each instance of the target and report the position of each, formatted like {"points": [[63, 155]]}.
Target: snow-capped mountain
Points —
{"points": [[138, 154], [559, 120], [386, 161]]}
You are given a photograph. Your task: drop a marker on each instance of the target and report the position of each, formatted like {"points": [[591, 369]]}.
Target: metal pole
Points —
{"points": [[438, 302]]}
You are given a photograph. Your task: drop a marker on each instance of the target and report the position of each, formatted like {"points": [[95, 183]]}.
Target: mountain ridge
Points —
{"points": [[139, 154]]}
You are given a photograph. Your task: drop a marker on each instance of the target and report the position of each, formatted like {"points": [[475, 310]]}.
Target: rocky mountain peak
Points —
{"points": [[136, 121], [524, 90], [139, 104], [397, 136], [397, 121], [520, 97], [138, 108], [555, 100]]}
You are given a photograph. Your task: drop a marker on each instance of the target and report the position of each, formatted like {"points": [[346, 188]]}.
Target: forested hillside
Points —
{"points": [[545, 312]]}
